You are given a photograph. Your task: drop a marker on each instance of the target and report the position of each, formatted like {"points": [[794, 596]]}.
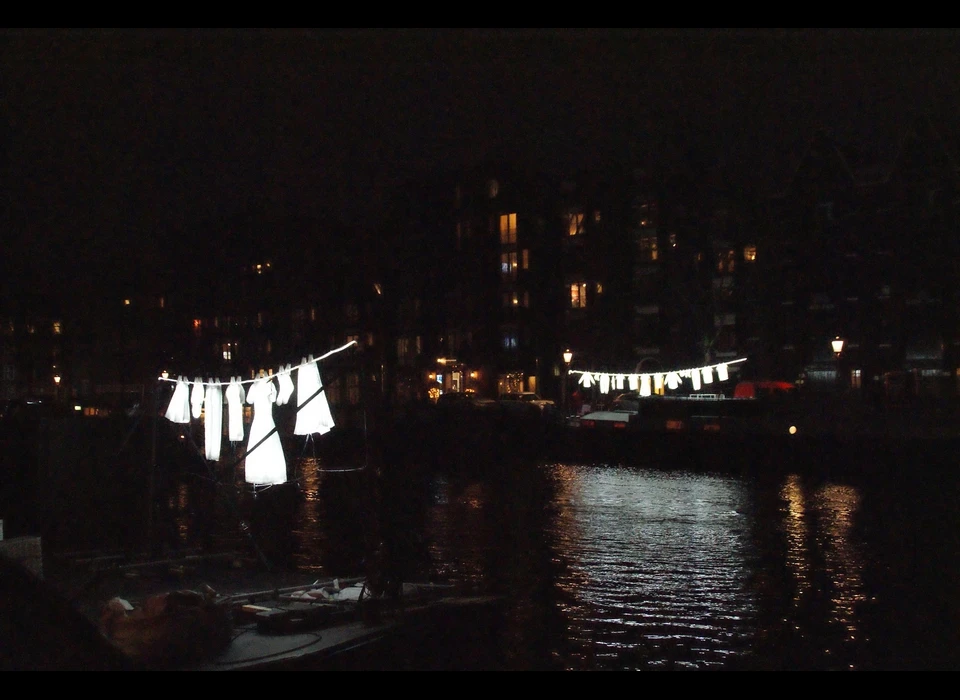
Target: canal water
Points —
{"points": [[609, 566]]}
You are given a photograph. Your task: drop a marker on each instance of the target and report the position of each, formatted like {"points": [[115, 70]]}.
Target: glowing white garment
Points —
{"points": [[722, 372], [644, 385], [673, 380], [286, 385], [213, 421], [658, 384], [695, 378], [604, 383], [235, 398], [708, 375], [586, 380], [265, 462], [315, 416], [178, 410], [633, 381], [196, 397]]}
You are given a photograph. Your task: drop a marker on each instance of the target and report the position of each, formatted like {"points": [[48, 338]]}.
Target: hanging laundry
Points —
{"points": [[285, 390], [644, 385], [673, 380], [213, 420], [722, 372], [633, 381], [586, 380], [264, 462], [235, 398], [178, 410], [196, 397], [313, 414], [604, 383]]}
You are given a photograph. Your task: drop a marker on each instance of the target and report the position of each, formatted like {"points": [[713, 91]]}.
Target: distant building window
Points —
{"points": [[57, 328], [750, 253], [575, 223], [508, 228], [526, 259], [493, 189], [578, 295], [726, 261], [673, 240], [197, 326], [509, 340], [508, 265], [599, 288], [855, 379], [596, 217], [526, 300], [226, 351], [352, 312], [648, 248], [353, 388]]}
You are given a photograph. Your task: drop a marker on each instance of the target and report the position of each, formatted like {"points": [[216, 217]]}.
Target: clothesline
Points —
{"points": [[285, 369]]}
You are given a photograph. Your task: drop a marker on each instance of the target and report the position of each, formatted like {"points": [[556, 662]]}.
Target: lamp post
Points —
{"points": [[56, 384], [567, 357], [837, 345]]}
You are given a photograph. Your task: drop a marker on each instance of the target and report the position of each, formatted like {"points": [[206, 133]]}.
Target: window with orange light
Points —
{"points": [[508, 228], [578, 295]]}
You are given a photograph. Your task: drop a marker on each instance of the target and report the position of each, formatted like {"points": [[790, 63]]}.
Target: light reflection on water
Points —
{"points": [[610, 567]]}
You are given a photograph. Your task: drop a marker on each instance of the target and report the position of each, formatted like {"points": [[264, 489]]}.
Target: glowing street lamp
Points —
{"points": [[837, 345], [567, 358]]}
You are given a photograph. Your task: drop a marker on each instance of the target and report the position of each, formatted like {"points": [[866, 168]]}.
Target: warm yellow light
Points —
{"points": [[792, 430], [474, 374], [837, 345], [56, 379], [165, 374], [567, 356], [78, 408]]}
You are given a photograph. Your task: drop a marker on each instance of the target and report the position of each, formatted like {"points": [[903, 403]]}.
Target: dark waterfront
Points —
{"points": [[660, 567]]}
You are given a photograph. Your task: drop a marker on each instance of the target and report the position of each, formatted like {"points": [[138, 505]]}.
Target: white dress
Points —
{"points": [[235, 398], [315, 416], [286, 386], [213, 421], [178, 410], [196, 397], [265, 462]]}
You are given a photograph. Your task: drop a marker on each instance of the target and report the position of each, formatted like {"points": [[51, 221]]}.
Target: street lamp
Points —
{"points": [[837, 345], [56, 382], [567, 357]]}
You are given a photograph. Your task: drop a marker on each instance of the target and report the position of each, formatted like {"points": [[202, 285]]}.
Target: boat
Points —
{"points": [[335, 624]]}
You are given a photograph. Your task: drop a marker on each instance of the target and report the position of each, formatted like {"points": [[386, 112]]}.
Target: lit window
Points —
{"points": [[578, 295], [57, 329], [515, 301], [648, 247], [599, 288], [126, 302], [855, 379], [526, 259], [596, 217], [353, 339], [509, 340], [226, 351], [197, 326], [750, 253], [575, 223], [508, 265], [508, 228]]}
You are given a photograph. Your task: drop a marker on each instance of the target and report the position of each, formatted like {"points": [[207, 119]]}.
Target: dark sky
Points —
{"points": [[121, 140]]}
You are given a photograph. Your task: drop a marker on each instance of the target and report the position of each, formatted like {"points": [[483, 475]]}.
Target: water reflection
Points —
{"points": [[610, 567]]}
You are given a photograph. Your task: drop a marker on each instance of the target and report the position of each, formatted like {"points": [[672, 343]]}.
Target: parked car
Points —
{"points": [[527, 397], [463, 400]]}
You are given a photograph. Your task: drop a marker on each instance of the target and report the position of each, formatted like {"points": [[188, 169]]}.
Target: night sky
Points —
{"points": [[120, 145]]}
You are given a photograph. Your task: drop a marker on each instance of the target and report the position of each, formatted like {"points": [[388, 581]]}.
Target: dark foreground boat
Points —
{"points": [[335, 624]]}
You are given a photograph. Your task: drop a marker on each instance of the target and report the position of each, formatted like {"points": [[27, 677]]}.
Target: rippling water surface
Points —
{"points": [[613, 567]]}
